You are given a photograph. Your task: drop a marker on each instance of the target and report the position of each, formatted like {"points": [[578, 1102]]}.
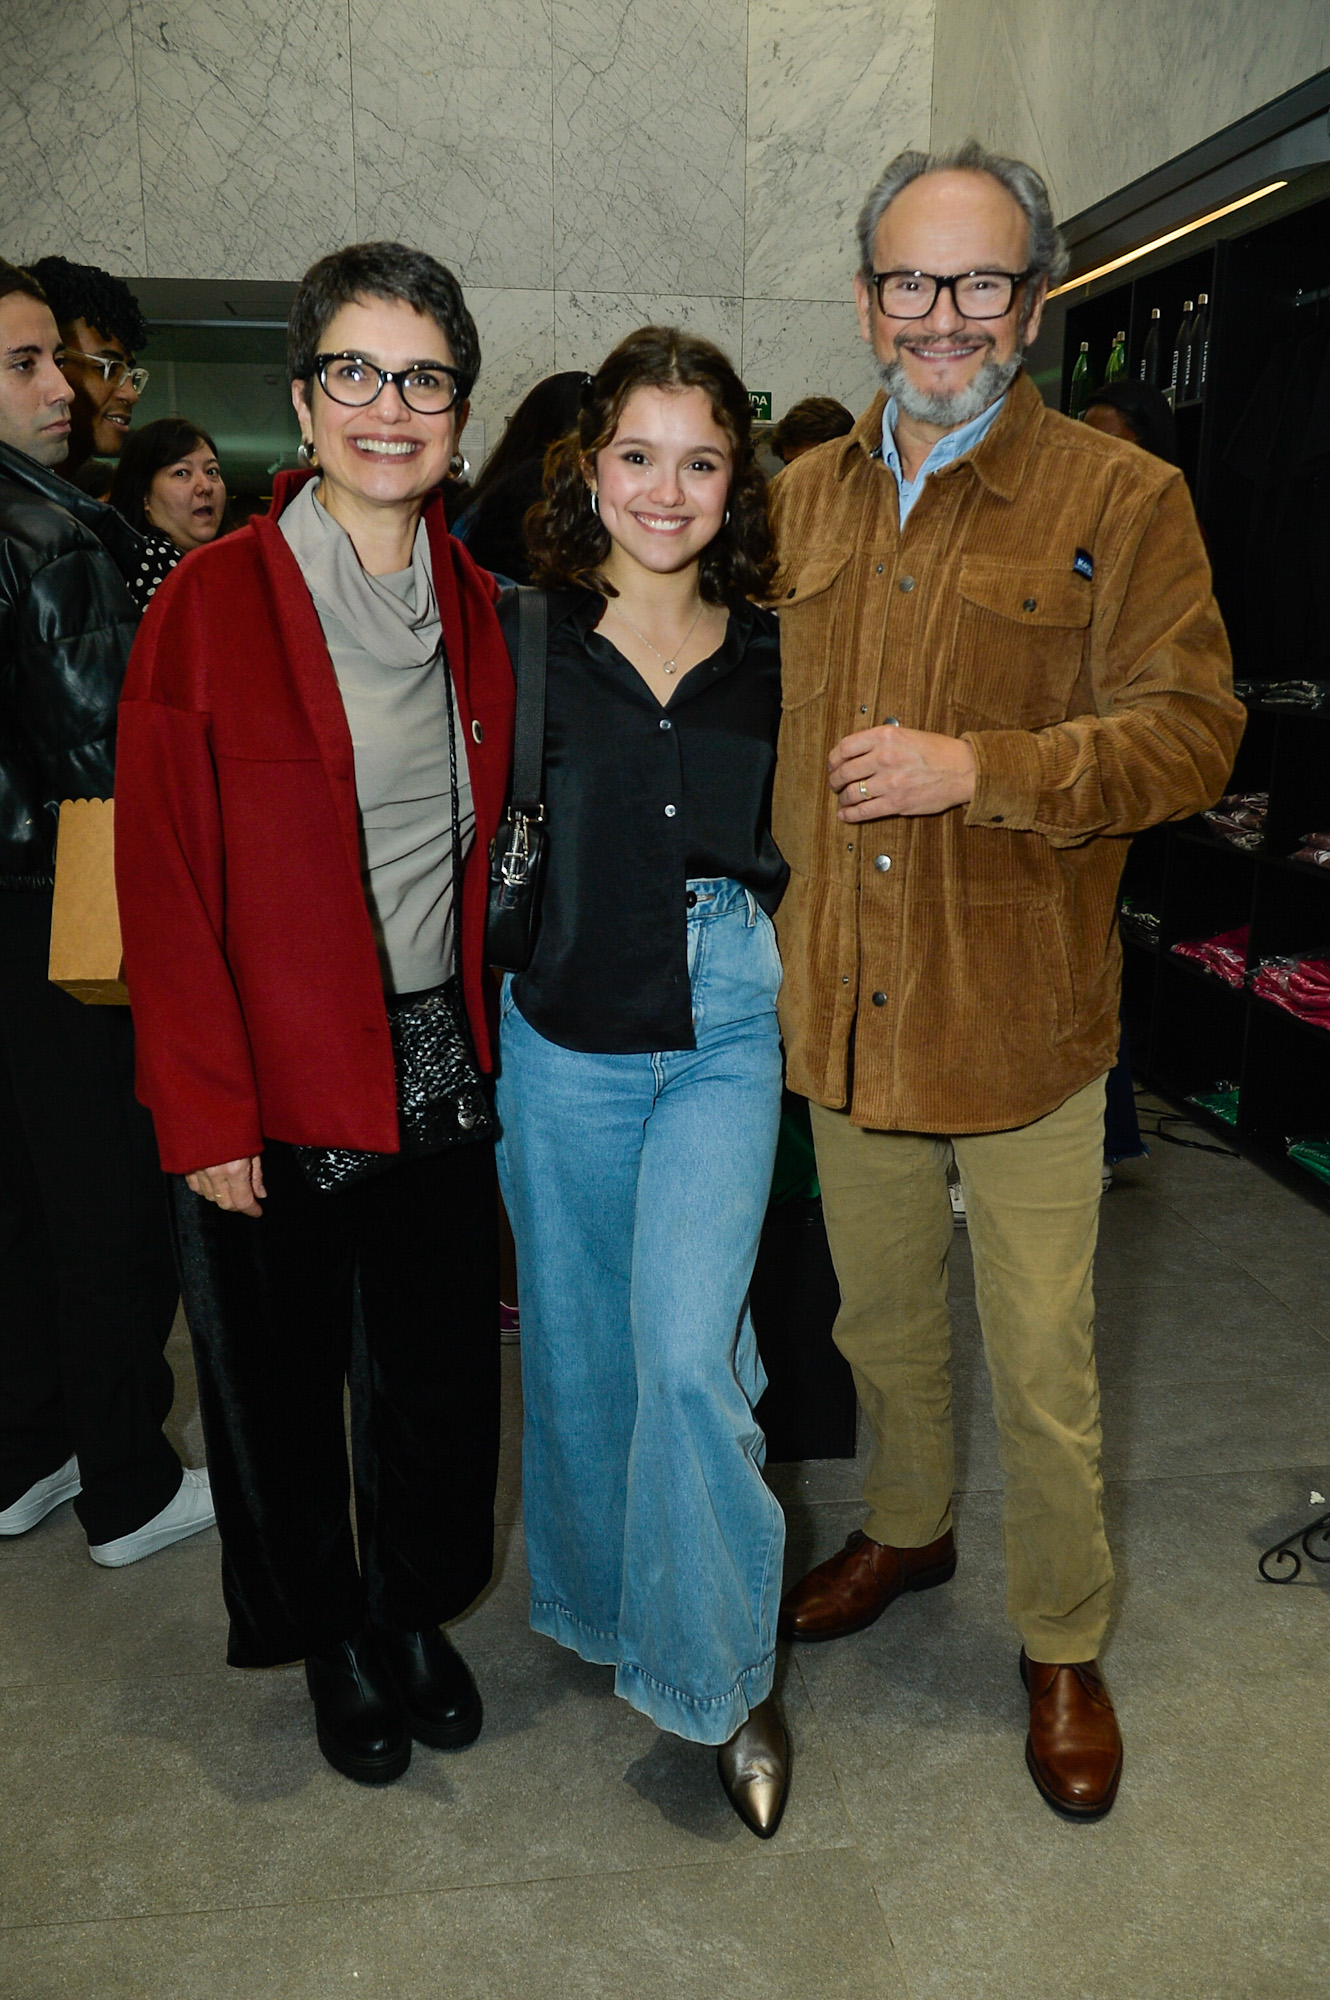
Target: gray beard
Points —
{"points": [[963, 405]]}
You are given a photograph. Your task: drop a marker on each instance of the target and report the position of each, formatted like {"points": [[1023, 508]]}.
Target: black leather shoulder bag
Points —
{"points": [[518, 850]]}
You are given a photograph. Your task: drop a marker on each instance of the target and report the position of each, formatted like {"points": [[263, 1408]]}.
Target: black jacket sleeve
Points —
{"points": [[67, 622]]}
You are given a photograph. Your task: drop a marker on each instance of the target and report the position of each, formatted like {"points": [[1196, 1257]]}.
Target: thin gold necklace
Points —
{"points": [[671, 665]]}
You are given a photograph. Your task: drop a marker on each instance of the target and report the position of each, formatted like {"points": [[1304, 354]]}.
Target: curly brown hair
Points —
{"points": [[569, 543]]}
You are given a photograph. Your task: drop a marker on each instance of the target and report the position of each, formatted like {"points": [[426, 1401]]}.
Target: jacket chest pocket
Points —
{"points": [[806, 597], [1020, 642]]}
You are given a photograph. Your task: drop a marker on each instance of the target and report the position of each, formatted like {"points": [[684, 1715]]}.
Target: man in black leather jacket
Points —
{"points": [[87, 1285]]}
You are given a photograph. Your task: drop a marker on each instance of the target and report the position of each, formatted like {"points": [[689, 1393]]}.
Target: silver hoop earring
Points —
{"points": [[307, 454], [595, 503], [726, 522], [459, 466]]}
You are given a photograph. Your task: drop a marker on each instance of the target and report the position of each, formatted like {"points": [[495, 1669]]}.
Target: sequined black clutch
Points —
{"points": [[442, 1099]]}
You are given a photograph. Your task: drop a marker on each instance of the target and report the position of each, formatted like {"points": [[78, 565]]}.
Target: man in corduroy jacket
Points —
{"points": [[1001, 659]]}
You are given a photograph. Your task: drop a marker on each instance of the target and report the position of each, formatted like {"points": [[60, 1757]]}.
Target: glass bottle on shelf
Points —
{"points": [[1152, 352], [1117, 360], [1080, 383], [1182, 354], [1200, 347]]}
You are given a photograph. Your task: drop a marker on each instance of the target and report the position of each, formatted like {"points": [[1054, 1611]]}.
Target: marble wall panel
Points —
{"points": [[649, 114], [454, 134], [833, 93], [588, 324], [806, 347], [516, 331], [1116, 87], [246, 135], [68, 137]]}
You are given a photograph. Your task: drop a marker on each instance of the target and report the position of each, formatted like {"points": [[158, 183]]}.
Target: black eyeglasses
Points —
{"points": [[427, 387], [975, 294]]}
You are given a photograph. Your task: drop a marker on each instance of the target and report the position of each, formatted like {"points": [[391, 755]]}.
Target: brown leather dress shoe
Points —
{"points": [[1074, 1748], [849, 1590]]}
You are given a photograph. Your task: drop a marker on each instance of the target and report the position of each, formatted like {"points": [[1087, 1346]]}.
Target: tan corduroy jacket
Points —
{"points": [[960, 972]]}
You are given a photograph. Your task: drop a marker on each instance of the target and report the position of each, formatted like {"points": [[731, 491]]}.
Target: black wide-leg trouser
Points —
{"points": [[389, 1285], [87, 1284]]}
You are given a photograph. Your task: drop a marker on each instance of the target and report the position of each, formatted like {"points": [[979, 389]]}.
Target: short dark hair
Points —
{"points": [[569, 543], [146, 453], [380, 271], [13, 278], [95, 477], [1147, 410], [816, 420], [86, 292]]}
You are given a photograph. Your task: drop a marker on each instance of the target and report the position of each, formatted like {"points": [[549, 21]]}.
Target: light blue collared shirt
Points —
{"points": [[954, 445]]}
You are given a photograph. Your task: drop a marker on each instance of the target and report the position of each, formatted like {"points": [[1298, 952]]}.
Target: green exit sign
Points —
{"points": [[759, 402]]}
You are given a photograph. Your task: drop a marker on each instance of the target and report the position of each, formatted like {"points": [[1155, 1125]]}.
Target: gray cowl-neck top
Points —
{"points": [[385, 638]]}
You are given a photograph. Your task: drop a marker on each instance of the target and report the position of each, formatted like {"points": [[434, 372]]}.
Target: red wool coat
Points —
{"points": [[249, 955]]}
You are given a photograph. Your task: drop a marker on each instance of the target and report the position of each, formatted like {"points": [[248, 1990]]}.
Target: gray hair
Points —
{"points": [[1047, 257]]}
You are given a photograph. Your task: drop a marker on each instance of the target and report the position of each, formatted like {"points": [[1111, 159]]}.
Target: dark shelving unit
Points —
{"points": [[1187, 1029]]}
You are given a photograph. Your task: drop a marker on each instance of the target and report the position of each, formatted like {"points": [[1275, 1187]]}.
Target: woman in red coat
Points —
{"points": [[314, 749]]}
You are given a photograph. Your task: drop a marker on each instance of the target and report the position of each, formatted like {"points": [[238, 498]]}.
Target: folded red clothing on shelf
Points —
{"points": [[1300, 984], [1224, 955]]}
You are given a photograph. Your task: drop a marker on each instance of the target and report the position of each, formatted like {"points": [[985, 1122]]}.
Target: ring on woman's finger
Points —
{"points": [[863, 789]]}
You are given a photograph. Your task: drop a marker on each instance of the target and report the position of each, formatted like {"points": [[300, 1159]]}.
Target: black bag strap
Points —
{"points": [[529, 670]]}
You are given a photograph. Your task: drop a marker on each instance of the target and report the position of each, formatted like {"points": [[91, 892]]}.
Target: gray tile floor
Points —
{"points": [[168, 1830]]}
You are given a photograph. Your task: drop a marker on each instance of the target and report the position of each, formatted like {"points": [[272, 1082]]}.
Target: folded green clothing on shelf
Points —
{"points": [[1314, 1154], [1221, 1102]]}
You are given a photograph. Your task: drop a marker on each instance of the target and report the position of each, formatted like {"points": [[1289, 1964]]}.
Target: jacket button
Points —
{"points": [[881, 862], [477, 732], [845, 979], [880, 568], [666, 725], [997, 819], [879, 999], [1030, 604], [669, 812], [790, 593], [906, 584]]}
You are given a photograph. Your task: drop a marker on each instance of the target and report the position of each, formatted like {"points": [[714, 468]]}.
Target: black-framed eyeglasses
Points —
{"points": [[427, 387], [114, 372], [975, 294]]}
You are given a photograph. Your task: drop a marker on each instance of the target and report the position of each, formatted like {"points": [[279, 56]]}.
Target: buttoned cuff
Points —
{"points": [[1008, 778]]}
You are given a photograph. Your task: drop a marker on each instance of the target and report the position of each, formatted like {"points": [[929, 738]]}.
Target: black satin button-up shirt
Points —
{"points": [[638, 800]]}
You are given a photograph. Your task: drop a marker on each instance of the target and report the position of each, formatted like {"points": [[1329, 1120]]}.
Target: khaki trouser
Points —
{"points": [[1032, 1202]]}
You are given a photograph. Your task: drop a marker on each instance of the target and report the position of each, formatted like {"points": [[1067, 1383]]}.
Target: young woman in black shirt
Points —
{"points": [[640, 1079]]}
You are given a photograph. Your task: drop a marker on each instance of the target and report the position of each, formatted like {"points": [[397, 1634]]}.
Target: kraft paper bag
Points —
{"points": [[85, 922]]}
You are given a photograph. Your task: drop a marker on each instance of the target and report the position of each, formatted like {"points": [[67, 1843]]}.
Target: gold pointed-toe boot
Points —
{"points": [[754, 1769]]}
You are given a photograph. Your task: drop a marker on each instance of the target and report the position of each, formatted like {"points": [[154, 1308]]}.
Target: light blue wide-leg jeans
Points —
{"points": [[636, 1186]]}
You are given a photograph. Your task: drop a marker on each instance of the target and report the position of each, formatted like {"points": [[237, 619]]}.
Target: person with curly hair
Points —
{"points": [[640, 1072], [101, 331]]}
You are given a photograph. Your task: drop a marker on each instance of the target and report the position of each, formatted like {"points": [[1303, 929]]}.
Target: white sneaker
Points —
{"points": [[39, 1500], [1105, 1178], [188, 1514], [957, 1203]]}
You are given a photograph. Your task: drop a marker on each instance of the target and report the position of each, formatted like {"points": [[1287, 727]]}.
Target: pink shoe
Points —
{"points": [[510, 1323]]}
